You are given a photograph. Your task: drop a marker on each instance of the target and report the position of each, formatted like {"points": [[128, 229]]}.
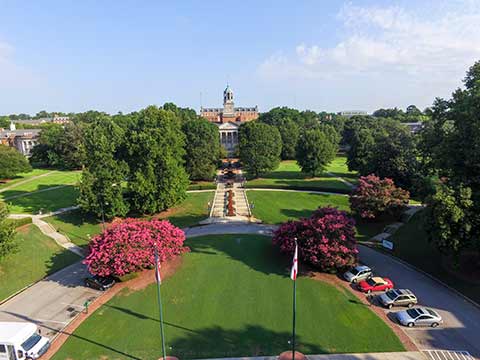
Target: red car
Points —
{"points": [[375, 284]]}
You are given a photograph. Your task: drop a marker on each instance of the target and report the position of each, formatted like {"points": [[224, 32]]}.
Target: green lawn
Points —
{"points": [[21, 177], [289, 176], [80, 228], [338, 167], [411, 244], [54, 178], [231, 297], [37, 256]]}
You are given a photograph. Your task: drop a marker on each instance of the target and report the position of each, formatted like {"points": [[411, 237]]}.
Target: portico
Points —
{"points": [[229, 136]]}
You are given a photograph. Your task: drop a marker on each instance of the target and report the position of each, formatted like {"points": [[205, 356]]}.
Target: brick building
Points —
{"points": [[228, 119]]}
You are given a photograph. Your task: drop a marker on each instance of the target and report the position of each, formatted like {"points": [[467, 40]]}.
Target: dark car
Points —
{"points": [[99, 282]]}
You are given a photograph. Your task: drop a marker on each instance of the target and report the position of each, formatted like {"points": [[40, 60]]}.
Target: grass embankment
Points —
{"points": [[42, 193], [36, 256], [411, 244], [289, 176], [231, 297], [80, 228]]}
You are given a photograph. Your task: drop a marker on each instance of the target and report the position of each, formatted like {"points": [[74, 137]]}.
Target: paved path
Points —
{"points": [[230, 228], [25, 181], [348, 183], [53, 302], [461, 330]]}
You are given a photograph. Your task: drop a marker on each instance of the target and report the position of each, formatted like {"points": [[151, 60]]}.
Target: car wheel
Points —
{"points": [[434, 325], [87, 284], [354, 281], [390, 306], [369, 291], [410, 305], [410, 324]]}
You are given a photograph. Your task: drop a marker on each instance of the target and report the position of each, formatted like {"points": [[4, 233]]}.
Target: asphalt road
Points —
{"points": [[461, 328], [52, 302]]}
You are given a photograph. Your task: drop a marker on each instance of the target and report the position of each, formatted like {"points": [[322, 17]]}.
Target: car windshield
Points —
{"points": [[413, 313], [431, 312], [371, 282], [392, 294], [354, 271], [31, 342]]}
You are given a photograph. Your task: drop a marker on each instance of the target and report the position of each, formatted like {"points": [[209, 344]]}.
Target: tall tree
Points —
{"points": [[12, 162], [155, 147], [315, 150], [104, 174], [260, 146], [202, 147]]}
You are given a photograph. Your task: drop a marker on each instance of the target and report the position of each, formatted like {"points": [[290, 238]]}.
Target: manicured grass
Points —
{"points": [[231, 297], [202, 185], [76, 225], [275, 207], [411, 244], [22, 177], [55, 178], [338, 167], [191, 211], [37, 256], [289, 176], [46, 201]]}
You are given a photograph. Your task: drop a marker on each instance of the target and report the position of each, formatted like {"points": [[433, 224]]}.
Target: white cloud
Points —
{"points": [[432, 49]]}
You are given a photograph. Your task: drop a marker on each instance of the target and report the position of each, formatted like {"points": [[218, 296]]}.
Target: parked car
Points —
{"points": [[397, 297], [419, 317], [99, 282], [375, 284], [358, 273]]}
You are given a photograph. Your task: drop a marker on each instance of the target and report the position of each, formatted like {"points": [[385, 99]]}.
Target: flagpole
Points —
{"points": [[159, 297], [294, 307]]}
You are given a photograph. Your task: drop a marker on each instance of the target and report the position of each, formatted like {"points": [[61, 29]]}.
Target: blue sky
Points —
{"points": [[321, 55]]}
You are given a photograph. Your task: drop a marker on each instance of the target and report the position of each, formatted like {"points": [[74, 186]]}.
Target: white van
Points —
{"points": [[21, 341]]}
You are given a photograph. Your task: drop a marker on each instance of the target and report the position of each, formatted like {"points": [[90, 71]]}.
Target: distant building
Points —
{"points": [[228, 119], [350, 113], [414, 126], [35, 122], [22, 140]]}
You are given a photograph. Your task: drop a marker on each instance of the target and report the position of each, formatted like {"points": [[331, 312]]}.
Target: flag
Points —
{"points": [[293, 273], [157, 267]]}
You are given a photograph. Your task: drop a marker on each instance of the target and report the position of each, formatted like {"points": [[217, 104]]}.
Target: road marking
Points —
{"points": [[448, 355]]}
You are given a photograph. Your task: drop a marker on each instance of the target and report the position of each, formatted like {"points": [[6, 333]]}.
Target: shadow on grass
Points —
{"points": [[257, 252], [183, 221]]}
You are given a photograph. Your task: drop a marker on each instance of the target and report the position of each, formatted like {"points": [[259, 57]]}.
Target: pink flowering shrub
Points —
{"points": [[374, 197], [128, 246], [326, 240]]}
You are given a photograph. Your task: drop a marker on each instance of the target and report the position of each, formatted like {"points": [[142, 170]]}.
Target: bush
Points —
{"points": [[326, 240], [7, 232], [375, 197], [16, 223], [128, 246]]}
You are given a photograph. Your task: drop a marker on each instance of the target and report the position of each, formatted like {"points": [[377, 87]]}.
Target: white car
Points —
{"points": [[419, 317], [358, 273]]}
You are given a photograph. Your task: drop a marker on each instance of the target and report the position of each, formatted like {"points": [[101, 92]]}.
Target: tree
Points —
{"points": [[155, 153], [315, 151], [326, 240], [451, 220], [12, 162], [4, 122], [101, 190], [129, 246], [374, 197], [7, 232], [260, 146], [202, 145]]}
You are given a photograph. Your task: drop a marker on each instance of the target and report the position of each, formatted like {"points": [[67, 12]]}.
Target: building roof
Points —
{"points": [[21, 132]]}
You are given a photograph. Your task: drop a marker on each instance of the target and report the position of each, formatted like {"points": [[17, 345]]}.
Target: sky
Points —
{"points": [[323, 55]]}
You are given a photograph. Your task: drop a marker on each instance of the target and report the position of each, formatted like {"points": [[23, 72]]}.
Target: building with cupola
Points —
{"points": [[228, 119]]}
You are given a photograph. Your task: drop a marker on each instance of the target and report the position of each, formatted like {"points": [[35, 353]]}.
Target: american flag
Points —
{"points": [[157, 267], [293, 273]]}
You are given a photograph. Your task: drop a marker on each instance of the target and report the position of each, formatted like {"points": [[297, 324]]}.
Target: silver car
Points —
{"points": [[419, 317], [397, 297], [358, 273]]}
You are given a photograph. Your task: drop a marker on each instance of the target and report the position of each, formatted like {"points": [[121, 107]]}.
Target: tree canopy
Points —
{"points": [[316, 149], [12, 162]]}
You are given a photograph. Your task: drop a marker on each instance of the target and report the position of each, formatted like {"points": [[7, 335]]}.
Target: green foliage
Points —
{"points": [[7, 232], [16, 223], [412, 114], [155, 148], [102, 178], [12, 162], [60, 146], [202, 145], [315, 150], [260, 146], [451, 221], [4, 122]]}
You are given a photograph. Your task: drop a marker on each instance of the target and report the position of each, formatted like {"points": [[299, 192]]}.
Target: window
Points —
{"points": [[3, 349]]}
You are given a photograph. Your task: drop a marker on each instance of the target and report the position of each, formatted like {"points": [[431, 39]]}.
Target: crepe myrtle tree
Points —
{"points": [[129, 246], [326, 240]]}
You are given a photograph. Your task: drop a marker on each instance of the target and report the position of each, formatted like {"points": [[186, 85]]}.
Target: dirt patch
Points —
{"points": [[24, 229], [368, 301], [144, 279]]}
